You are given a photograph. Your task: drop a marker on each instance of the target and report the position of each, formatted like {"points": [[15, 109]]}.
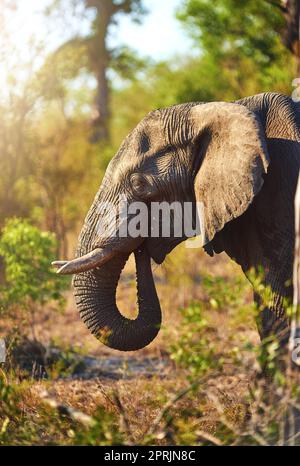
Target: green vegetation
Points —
{"points": [[29, 283], [230, 35], [195, 348], [27, 253], [198, 347]]}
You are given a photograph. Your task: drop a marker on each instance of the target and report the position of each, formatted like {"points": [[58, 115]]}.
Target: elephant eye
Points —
{"points": [[142, 185]]}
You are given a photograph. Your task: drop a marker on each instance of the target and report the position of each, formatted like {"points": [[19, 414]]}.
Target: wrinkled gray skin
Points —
{"points": [[242, 161]]}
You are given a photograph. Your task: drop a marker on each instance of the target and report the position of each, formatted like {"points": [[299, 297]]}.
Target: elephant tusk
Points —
{"points": [[93, 259]]}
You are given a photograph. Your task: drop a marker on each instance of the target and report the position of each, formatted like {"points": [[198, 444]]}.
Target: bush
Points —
{"points": [[29, 281], [194, 348]]}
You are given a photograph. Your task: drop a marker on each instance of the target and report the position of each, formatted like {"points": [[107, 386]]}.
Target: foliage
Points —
{"points": [[103, 432], [237, 57], [194, 348], [27, 253], [233, 26]]}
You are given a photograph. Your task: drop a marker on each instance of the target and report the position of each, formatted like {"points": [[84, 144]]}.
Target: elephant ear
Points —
{"points": [[230, 160]]}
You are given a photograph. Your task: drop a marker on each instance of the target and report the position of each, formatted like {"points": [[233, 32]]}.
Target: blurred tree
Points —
{"points": [[291, 33], [241, 43], [18, 97], [14, 156], [92, 51], [66, 175], [48, 169], [291, 11], [245, 27]]}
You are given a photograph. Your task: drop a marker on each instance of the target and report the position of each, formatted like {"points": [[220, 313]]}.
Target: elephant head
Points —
{"points": [[211, 153]]}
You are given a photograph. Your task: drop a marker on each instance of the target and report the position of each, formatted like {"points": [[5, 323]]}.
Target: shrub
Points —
{"points": [[29, 281], [194, 348]]}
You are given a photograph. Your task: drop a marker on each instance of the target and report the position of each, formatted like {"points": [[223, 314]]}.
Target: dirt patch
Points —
{"points": [[124, 368]]}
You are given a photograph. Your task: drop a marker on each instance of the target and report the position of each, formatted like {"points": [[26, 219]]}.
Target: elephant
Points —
{"points": [[240, 160]]}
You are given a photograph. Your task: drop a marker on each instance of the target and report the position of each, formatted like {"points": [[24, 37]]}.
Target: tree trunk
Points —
{"points": [[291, 34], [100, 59]]}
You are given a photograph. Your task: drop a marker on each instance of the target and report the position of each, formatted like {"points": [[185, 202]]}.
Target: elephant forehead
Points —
{"points": [[144, 142], [149, 135], [148, 140], [146, 137]]}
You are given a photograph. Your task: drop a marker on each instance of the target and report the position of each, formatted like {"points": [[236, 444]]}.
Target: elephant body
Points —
{"points": [[263, 237], [241, 161]]}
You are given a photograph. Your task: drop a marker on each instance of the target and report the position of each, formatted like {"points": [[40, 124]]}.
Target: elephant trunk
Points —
{"points": [[95, 295]]}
